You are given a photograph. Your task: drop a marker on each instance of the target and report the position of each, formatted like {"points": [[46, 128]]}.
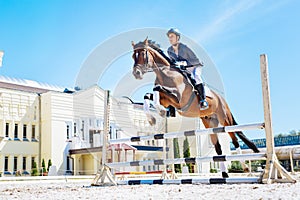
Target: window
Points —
{"points": [[68, 131], [68, 164], [117, 134], [35, 111], [16, 131], [7, 130], [75, 128], [110, 133], [15, 164], [6, 164], [32, 162], [82, 129], [33, 132], [24, 131], [24, 163]]}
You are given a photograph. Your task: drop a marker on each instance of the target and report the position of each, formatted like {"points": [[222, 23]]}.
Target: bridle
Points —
{"points": [[145, 67]]}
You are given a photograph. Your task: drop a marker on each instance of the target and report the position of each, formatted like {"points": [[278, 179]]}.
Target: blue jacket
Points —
{"points": [[184, 54]]}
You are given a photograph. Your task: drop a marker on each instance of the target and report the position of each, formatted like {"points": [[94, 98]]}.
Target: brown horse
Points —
{"points": [[172, 88]]}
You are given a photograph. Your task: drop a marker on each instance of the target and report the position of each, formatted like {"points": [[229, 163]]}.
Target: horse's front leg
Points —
{"points": [[151, 119], [156, 99]]}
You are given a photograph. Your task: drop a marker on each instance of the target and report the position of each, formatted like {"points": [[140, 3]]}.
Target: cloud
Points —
{"points": [[225, 19]]}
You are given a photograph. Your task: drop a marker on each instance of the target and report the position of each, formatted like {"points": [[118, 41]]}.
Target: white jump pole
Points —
{"points": [[170, 135], [191, 181], [196, 160]]}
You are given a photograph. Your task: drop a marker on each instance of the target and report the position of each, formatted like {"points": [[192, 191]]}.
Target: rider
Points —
{"points": [[184, 56]]}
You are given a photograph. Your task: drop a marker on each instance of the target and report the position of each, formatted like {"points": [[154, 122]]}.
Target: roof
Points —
{"points": [[28, 85], [85, 150], [122, 146]]}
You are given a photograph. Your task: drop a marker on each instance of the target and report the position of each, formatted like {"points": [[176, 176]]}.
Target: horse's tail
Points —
{"points": [[241, 135]]}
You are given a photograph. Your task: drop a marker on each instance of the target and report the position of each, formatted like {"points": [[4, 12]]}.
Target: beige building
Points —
{"points": [[20, 124], [39, 121]]}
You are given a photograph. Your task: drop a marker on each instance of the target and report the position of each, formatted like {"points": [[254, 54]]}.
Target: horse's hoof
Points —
{"points": [[225, 175], [162, 113], [256, 151], [152, 121], [246, 170]]}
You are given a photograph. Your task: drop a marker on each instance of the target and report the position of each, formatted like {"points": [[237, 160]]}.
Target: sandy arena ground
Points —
{"points": [[80, 189]]}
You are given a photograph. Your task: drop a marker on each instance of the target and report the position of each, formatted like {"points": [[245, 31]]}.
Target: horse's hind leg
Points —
{"points": [[212, 122], [238, 150], [215, 141]]}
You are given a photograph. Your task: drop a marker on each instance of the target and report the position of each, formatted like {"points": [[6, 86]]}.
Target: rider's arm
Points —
{"points": [[192, 58], [171, 56]]}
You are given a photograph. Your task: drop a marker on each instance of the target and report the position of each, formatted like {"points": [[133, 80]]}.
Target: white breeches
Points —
{"points": [[196, 74]]}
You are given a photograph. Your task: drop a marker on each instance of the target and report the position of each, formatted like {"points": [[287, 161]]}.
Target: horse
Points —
{"points": [[173, 88]]}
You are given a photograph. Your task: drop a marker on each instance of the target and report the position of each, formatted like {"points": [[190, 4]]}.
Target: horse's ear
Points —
{"points": [[146, 41], [132, 43]]}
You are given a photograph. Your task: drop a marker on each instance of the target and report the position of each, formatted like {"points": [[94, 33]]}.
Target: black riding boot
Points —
{"points": [[203, 103]]}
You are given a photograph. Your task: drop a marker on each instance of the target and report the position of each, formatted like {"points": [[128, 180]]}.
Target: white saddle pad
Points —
{"points": [[207, 91]]}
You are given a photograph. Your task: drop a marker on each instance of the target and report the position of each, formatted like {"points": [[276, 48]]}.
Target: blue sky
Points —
{"points": [[48, 41]]}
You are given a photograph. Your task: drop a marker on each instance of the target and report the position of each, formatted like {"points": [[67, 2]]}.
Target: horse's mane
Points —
{"points": [[156, 47]]}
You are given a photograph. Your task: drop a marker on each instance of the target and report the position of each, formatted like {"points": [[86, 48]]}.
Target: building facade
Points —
{"points": [[20, 125], [43, 122]]}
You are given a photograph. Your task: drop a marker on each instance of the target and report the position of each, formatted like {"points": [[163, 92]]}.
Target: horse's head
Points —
{"points": [[146, 58], [143, 60]]}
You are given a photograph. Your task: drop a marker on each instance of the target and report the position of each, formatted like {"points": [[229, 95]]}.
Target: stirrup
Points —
{"points": [[203, 104]]}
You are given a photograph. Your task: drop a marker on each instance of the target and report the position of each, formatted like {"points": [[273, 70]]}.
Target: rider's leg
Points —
{"points": [[199, 86]]}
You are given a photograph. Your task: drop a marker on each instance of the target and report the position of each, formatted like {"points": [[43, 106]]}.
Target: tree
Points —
{"points": [[292, 133], [49, 164], [280, 135], [43, 170], [176, 154], [34, 171], [186, 153]]}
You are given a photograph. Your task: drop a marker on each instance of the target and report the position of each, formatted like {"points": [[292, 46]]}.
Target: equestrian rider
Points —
{"points": [[186, 59]]}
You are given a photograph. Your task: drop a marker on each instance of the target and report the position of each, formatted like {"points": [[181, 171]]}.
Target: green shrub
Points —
{"points": [[34, 171], [49, 164], [235, 166], [187, 154], [176, 155]]}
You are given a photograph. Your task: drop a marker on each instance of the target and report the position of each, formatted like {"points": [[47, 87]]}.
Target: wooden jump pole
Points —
{"points": [[272, 165], [104, 177]]}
